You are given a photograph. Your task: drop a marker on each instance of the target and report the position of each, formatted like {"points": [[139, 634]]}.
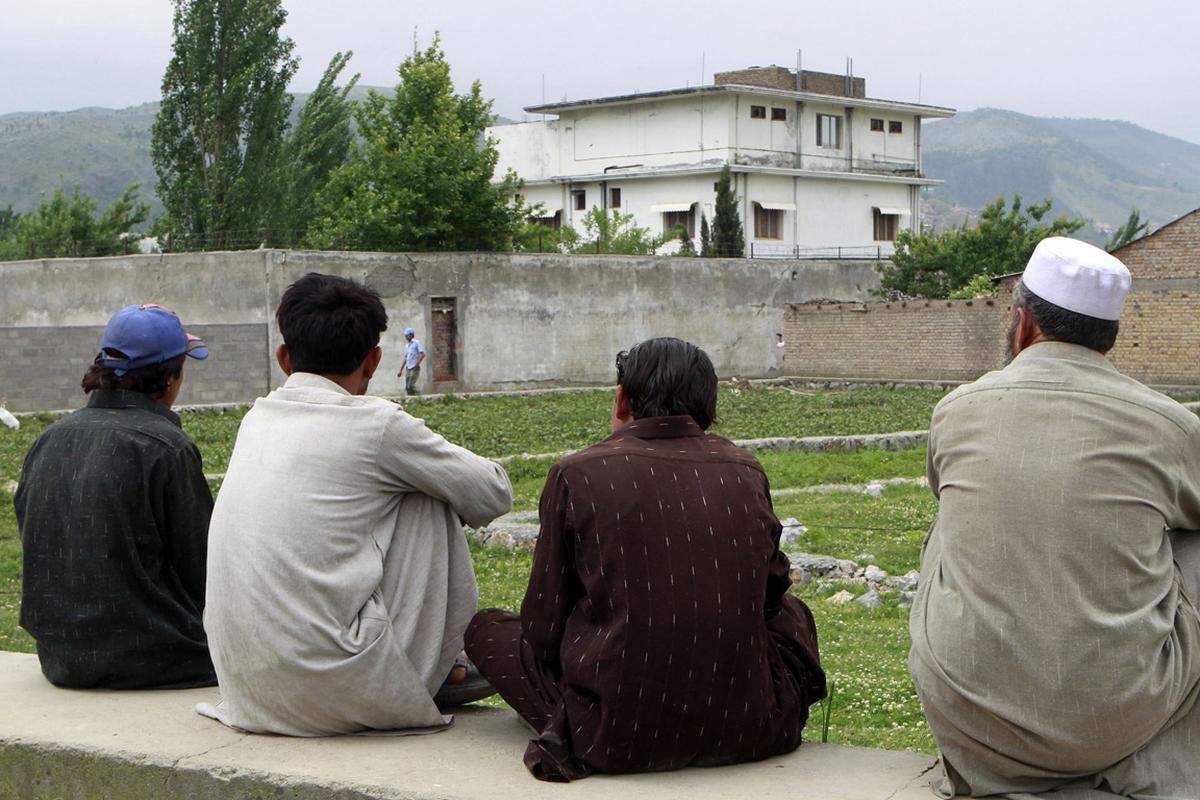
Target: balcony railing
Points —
{"points": [[858, 253]]}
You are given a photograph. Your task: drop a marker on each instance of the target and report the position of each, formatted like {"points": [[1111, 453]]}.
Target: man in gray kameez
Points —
{"points": [[1055, 638], [339, 579]]}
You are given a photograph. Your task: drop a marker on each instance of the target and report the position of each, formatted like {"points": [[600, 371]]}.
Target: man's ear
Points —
{"points": [[622, 410], [371, 362], [1028, 332], [284, 358]]}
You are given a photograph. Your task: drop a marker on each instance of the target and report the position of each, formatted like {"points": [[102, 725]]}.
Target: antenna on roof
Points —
{"points": [[919, 76], [543, 95], [799, 70], [703, 71]]}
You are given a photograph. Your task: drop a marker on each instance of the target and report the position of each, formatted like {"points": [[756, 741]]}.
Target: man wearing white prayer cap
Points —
{"points": [[1055, 637]]}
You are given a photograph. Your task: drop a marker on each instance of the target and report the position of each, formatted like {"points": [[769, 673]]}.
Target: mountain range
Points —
{"points": [[1091, 168]]}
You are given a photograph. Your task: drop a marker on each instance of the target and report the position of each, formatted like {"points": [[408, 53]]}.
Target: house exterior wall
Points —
{"points": [[668, 150]]}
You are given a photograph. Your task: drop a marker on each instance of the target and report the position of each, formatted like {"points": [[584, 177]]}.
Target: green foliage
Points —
{"points": [[8, 222], [979, 286], [686, 248], [929, 264], [728, 239], [218, 136], [69, 225], [420, 178], [705, 237], [538, 237], [1131, 229], [608, 231], [314, 148]]}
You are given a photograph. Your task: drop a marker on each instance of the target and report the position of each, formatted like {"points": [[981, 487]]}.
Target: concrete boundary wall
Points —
{"points": [[522, 320]]}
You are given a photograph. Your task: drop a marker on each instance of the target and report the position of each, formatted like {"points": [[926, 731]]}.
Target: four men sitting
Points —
{"points": [[1055, 637]]}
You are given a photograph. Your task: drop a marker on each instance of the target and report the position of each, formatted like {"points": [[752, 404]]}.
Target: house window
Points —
{"points": [[579, 199], [885, 226], [779, 114], [674, 220], [758, 112], [614, 198], [829, 131], [768, 223], [444, 353], [877, 125], [895, 126]]}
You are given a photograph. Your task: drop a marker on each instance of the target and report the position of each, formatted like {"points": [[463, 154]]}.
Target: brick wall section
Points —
{"points": [[1159, 341], [41, 367], [1173, 251], [785, 79], [920, 340]]}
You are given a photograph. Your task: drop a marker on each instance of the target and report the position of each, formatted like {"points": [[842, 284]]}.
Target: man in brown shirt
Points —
{"points": [[657, 631]]}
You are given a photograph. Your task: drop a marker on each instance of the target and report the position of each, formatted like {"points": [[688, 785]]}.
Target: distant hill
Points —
{"points": [[101, 149], [1091, 168]]}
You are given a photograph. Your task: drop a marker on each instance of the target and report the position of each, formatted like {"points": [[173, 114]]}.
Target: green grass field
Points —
{"points": [[864, 651]]}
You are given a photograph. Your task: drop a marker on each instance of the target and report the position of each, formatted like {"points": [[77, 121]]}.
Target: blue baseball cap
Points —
{"points": [[141, 336], [410, 331]]}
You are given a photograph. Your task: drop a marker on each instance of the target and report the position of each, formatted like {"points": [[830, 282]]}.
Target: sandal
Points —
{"points": [[471, 688]]}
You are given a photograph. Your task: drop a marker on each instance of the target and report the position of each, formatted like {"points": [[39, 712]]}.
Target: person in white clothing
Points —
{"points": [[339, 579]]}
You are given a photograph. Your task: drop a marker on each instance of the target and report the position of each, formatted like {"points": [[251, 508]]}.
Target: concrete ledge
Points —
{"points": [[134, 745]]}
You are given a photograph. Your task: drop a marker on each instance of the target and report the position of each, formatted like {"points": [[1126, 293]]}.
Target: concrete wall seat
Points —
{"points": [[57, 743]]}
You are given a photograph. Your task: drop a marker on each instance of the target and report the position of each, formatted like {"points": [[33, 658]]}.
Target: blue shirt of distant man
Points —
{"points": [[414, 354]]}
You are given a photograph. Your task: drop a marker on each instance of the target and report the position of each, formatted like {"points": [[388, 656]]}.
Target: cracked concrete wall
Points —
{"points": [[524, 320]]}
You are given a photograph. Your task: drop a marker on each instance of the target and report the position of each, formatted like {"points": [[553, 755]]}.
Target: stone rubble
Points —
{"points": [[870, 600], [840, 599]]}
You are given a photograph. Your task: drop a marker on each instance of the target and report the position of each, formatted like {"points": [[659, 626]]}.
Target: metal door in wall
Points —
{"points": [[445, 338]]}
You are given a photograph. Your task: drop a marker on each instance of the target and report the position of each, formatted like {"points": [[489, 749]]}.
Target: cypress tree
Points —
{"points": [[728, 240], [705, 244]]}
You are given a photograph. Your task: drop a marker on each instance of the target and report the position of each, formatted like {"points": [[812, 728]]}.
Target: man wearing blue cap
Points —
{"points": [[113, 510], [414, 354]]}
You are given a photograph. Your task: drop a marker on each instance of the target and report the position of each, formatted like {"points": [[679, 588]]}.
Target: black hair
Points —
{"points": [[1061, 325], [150, 381], [668, 377], [329, 324]]}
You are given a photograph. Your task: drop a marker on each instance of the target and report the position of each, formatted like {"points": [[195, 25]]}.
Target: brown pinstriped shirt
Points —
{"points": [[659, 593]]}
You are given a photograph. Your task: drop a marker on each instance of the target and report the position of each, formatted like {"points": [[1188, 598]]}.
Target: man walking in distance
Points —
{"points": [[113, 512], [414, 355], [1055, 640]]}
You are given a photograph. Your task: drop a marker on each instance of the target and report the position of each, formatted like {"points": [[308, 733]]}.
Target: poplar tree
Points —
{"points": [[317, 145], [217, 138], [728, 240]]}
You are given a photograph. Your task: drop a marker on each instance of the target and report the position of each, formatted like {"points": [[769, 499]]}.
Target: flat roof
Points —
{"points": [[662, 94]]}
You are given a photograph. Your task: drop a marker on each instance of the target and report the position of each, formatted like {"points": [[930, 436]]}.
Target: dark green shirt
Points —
{"points": [[113, 510]]}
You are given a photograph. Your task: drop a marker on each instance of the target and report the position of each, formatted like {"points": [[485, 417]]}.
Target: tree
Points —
{"points": [[728, 240], [686, 247], [608, 231], [68, 225], [928, 264], [1132, 229], [705, 246], [317, 145], [217, 138], [421, 176]]}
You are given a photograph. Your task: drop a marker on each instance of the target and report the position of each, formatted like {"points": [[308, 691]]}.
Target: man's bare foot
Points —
{"points": [[457, 675]]}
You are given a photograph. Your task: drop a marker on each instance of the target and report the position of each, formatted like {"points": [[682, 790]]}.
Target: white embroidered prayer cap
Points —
{"points": [[1078, 276]]}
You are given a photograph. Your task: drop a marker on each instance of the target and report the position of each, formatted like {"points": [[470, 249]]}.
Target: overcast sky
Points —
{"points": [[1099, 58]]}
